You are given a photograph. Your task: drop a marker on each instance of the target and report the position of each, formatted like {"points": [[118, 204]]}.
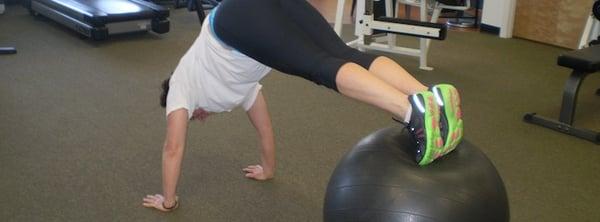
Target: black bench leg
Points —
{"points": [[569, 101], [567, 112]]}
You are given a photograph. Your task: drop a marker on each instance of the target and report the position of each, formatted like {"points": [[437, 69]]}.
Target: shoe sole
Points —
{"points": [[434, 146], [451, 99]]}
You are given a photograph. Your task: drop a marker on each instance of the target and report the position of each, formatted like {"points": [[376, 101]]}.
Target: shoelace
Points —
{"points": [[415, 137], [418, 135]]}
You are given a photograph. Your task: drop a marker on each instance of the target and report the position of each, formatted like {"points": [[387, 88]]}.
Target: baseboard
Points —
{"points": [[489, 29]]}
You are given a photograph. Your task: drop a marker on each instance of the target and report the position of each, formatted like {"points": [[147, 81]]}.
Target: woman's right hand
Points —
{"points": [[157, 201]]}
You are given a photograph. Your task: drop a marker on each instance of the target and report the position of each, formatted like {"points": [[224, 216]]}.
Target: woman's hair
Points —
{"points": [[165, 92]]}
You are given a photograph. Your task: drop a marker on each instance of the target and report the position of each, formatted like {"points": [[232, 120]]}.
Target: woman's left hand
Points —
{"points": [[257, 172]]}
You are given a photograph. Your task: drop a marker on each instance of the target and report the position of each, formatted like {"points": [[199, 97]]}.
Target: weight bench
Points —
{"points": [[583, 62]]}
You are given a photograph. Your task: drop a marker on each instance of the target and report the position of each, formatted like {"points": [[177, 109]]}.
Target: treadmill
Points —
{"points": [[97, 19]]}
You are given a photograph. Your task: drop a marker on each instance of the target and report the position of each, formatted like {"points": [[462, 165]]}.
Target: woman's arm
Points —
{"points": [[171, 161], [259, 116]]}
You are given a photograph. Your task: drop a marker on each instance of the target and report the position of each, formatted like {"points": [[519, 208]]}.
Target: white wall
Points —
{"points": [[499, 13]]}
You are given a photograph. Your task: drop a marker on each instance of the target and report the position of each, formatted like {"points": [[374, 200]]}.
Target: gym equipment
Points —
{"points": [[592, 28], [5, 50], [595, 42], [583, 62], [378, 180], [460, 6], [200, 5], [97, 19], [175, 3], [596, 9], [367, 25]]}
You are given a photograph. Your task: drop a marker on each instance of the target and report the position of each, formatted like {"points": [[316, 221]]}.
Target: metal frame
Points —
{"points": [[199, 7], [68, 21], [567, 110], [75, 19], [591, 31], [388, 42], [402, 27]]}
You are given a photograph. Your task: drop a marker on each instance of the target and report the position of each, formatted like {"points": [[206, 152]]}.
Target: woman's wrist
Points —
{"points": [[169, 202], [267, 165], [169, 206], [268, 170]]}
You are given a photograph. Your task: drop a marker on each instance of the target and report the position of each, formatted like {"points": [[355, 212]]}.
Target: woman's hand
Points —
{"points": [[257, 172], [157, 201]]}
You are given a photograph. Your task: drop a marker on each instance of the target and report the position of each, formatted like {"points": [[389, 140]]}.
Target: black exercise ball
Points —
{"points": [[378, 180]]}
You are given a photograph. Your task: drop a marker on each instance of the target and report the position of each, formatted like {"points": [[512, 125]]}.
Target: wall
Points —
{"points": [[556, 22], [499, 14]]}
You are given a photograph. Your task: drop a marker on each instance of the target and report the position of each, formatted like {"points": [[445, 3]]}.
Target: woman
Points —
{"points": [[242, 40]]}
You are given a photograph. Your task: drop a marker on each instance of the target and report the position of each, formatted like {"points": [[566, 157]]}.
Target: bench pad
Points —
{"points": [[586, 60]]}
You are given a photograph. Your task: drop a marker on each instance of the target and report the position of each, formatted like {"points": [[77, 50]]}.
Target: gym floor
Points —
{"points": [[81, 130]]}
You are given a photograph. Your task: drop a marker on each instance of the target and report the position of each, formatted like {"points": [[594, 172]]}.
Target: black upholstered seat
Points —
{"points": [[585, 60]]}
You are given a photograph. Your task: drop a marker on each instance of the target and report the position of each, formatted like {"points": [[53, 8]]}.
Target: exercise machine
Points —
{"points": [[174, 3], [592, 28], [200, 5], [192, 5], [380, 33], [5, 50], [583, 62], [98, 19], [460, 7]]}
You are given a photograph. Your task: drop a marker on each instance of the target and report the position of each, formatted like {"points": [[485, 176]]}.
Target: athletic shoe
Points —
{"points": [[451, 123], [424, 127]]}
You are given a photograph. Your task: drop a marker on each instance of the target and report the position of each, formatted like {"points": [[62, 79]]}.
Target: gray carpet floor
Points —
{"points": [[81, 130]]}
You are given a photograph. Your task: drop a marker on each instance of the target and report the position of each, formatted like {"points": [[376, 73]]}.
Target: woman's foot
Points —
{"points": [[424, 127], [451, 123]]}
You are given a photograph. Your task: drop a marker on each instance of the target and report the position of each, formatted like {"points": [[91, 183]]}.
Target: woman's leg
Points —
{"points": [[316, 27], [270, 37], [260, 30], [419, 110], [392, 73], [356, 82]]}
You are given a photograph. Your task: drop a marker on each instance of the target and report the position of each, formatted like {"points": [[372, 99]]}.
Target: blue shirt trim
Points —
{"points": [[211, 19]]}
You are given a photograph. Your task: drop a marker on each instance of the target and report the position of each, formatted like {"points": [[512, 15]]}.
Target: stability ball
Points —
{"points": [[378, 180]]}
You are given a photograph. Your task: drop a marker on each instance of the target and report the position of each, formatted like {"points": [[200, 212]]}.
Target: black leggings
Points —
{"points": [[288, 35]]}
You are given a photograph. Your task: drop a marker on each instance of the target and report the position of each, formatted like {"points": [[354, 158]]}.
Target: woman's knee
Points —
{"points": [[348, 72]]}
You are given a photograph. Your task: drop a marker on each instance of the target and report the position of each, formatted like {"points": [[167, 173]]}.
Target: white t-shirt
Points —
{"points": [[214, 77]]}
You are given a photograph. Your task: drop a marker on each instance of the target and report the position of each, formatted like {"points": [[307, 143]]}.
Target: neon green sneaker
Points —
{"points": [[424, 127], [451, 123]]}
